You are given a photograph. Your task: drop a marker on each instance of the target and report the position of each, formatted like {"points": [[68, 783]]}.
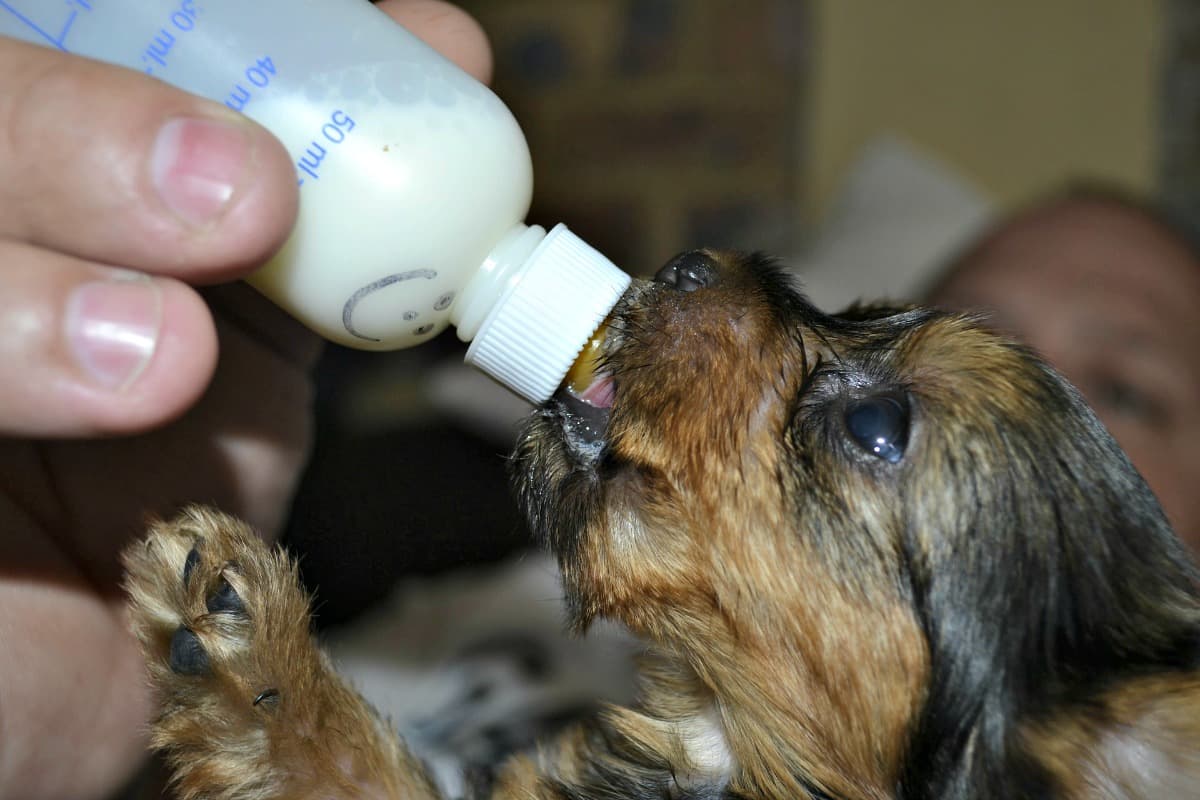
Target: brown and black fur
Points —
{"points": [[997, 609]]}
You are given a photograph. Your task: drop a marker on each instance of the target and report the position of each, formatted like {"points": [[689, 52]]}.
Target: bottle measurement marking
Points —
{"points": [[331, 135], [181, 21], [43, 30], [258, 75]]}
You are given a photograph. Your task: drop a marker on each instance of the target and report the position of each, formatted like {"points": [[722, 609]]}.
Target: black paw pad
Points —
{"points": [[225, 600], [187, 654]]}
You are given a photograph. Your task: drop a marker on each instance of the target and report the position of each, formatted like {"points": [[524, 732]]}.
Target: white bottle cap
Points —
{"points": [[537, 329]]}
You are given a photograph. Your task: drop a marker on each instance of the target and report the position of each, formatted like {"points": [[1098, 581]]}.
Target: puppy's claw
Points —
{"points": [[189, 564]]}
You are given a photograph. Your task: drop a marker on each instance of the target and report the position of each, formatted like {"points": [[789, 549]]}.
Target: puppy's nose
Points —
{"points": [[687, 272]]}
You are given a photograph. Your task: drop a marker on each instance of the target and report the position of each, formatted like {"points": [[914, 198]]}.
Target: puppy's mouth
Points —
{"points": [[585, 399]]}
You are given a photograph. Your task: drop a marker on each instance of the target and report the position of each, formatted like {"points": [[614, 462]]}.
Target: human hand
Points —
{"points": [[112, 396]]}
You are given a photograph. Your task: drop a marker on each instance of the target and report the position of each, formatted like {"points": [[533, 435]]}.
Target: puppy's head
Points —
{"points": [[875, 538]]}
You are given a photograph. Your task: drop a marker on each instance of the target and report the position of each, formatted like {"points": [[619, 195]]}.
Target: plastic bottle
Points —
{"points": [[414, 178]]}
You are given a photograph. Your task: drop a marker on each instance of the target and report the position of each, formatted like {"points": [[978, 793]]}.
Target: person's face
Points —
{"points": [[1114, 305]]}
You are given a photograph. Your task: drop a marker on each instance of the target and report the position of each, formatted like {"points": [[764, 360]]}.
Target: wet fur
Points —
{"points": [[1004, 613]]}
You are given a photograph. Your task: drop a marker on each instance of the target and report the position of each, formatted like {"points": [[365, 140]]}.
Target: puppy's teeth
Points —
{"points": [[582, 374]]}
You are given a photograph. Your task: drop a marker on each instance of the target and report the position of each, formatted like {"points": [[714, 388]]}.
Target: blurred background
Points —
{"points": [[660, 124], [862, 142]]}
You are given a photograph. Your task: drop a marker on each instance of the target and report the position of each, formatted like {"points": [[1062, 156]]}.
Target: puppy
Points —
{"points": [[886, 554]]}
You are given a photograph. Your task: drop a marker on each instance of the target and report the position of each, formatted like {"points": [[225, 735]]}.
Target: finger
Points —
{"points": [[113, 166], [448, 29], [72, 677], [88, 350]]}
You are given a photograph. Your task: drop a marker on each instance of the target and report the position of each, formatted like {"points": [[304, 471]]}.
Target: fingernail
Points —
{"points": [[112, 329], [197, 163]]}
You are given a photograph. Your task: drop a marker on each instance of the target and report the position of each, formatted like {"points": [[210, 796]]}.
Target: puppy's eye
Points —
{"points": [[879, 425]]}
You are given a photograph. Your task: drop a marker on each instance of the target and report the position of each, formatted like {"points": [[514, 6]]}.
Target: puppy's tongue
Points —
{"points": [[599, 393], [585, 380]]}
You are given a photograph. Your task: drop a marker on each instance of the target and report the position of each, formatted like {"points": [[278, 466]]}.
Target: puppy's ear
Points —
{"points": [[1057, 569]]}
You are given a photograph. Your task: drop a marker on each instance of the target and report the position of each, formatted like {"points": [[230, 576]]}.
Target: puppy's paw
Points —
{"points": [[223, 626], [247, 705]]}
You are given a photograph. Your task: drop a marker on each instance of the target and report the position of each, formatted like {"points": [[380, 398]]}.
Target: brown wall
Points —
{"points": [[657, 125], [1016, 95]]}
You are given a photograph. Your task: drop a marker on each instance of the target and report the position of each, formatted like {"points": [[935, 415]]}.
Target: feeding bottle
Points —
{"points": [[414, 178]]}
